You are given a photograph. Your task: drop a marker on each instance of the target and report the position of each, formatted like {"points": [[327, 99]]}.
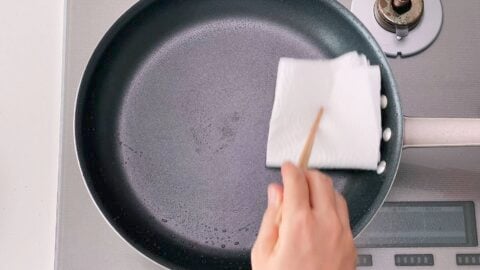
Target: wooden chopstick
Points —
{"points": [[306, 152], [307, 148]]}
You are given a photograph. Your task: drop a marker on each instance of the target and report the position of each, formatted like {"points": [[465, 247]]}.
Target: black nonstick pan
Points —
{"points": [[172, 119]]}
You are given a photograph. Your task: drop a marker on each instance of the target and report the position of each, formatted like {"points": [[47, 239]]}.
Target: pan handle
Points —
{"points": [[441, 132]]}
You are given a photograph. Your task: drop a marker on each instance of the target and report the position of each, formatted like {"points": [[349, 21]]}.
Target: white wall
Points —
{"points": [[31, 39]]}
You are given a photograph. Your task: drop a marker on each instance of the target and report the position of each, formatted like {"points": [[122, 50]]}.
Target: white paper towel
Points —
{"points": [[349, 134]]}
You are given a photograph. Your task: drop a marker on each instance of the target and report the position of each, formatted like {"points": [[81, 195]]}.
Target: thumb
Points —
{"points": [[268, 233]]}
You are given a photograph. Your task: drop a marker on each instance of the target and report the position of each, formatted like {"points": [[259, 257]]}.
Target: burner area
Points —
{"points": [[442, 81], [398, 16], [401, 27]]}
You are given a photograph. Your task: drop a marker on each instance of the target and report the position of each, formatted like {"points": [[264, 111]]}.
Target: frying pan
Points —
{"points": [[172, 118]]}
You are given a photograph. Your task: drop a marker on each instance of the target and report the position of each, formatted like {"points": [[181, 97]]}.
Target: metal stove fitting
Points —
{"points": [[398, 16]]}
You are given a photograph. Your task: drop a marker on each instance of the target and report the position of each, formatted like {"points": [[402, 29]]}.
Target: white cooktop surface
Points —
{"points": [[31, 38]]}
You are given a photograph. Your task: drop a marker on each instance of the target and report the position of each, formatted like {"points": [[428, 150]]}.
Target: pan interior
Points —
{"points": [[193, 128], [173, 119]]}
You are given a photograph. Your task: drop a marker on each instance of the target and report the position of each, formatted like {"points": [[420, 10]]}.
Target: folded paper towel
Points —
{"points": [[349, 135]]}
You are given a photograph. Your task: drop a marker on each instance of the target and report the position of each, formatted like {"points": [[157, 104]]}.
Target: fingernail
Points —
{"points": [[272, 197]]}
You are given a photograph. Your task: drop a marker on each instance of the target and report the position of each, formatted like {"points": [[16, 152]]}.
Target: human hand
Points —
{"points": [[313, 232]]}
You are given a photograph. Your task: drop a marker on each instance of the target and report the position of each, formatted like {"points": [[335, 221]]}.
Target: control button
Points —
{"points": [[364, 260], [414, 260], [468, 259]]}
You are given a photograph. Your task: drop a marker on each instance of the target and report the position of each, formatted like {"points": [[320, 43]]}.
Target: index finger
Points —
{"points": [[295, 189]]}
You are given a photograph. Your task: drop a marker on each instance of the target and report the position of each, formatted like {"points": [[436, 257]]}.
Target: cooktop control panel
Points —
{"points": [[420, 233]]}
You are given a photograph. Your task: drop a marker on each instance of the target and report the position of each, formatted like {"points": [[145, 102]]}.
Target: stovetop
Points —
{"points": [[442, 81]]}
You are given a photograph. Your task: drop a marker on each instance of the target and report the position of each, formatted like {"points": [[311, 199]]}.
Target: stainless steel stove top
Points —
{"points": [[442, 81]]}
